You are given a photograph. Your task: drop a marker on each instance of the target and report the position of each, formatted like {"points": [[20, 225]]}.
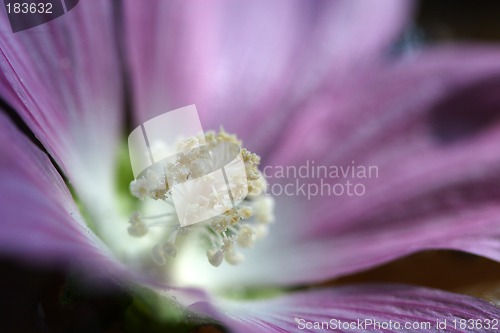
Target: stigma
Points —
{"points": [[239, 211]]}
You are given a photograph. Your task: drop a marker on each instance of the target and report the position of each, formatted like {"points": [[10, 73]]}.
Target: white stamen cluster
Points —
{"points": [[235, 228]]}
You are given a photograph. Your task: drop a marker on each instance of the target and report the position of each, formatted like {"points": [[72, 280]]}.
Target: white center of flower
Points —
{"points": [[235, 227]]}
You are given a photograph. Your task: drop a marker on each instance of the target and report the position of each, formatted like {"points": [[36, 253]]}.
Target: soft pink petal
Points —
{"points": [[401, 305], [40, 223], [63, 78], [39, 220], [435, 190], [432, 128], [240, 61]]}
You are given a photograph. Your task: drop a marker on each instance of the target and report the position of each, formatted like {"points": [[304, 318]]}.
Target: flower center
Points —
{"points": [[206, 191]]}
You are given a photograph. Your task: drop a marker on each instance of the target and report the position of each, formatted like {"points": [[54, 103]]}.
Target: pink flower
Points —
{"points": [[297, 81]]}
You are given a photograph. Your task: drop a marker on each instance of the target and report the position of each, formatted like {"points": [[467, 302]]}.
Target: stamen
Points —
{"points": [[220, 224], [215, 257], [163, 250], [246, 237], [151, 185], [139, 188], [137, 226], [257, 187]]}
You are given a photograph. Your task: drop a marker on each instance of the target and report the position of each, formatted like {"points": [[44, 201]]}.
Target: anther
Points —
{"points": [[246, 237], [161, 251], [137, 226], [215, 257]]}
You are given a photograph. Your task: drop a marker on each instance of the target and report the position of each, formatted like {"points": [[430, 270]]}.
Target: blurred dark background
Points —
{"points": [[459, 20], [34, 299]]}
